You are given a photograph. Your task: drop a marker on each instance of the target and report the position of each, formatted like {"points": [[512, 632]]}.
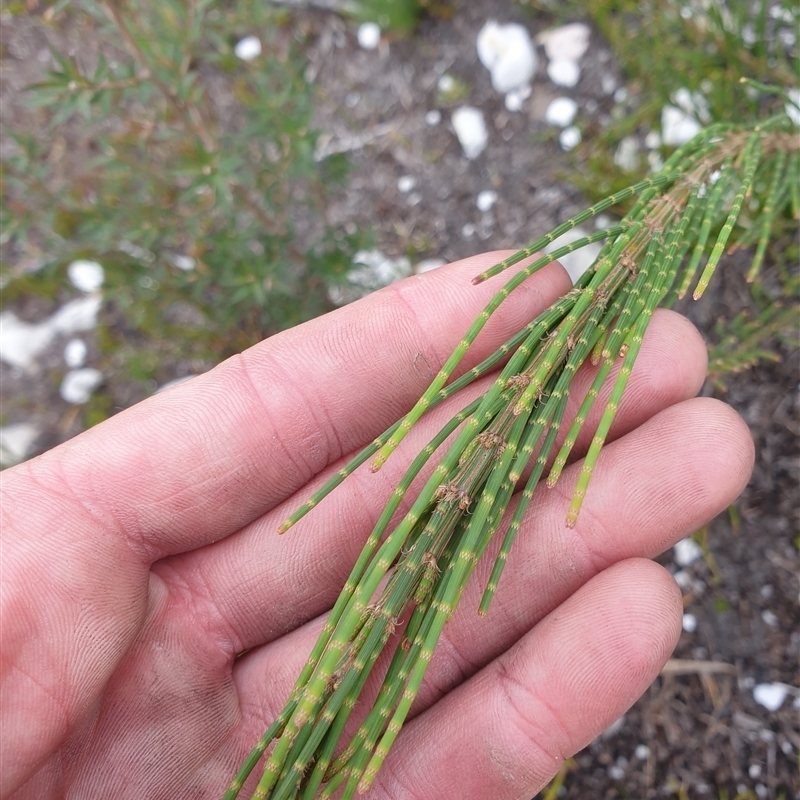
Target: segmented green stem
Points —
{"points": [[712, 212], [425, 402], [793, 179], [750, 162], [768, 213]]}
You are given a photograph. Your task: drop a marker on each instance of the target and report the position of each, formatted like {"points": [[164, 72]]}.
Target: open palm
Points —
{"points": [[153, 623]]}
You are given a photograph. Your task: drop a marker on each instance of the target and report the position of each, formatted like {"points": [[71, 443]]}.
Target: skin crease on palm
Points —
{"points": [[140, 559]]}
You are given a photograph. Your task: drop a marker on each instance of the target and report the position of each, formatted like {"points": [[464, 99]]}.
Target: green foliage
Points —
{"points": [[190, 174], [398, 15], [695, 55], [746, 340]]}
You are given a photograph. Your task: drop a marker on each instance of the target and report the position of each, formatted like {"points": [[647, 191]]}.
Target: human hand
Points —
{"points": [[139, 561]]}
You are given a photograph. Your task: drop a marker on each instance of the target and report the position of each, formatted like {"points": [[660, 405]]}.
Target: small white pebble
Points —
{"points": [[654, 161], [182, 262], [689, 623], [16, 442], [683, 579], [446, 84], [78, 384], [486, 199], [88, 276], [248, 48], [761, 791], [468, 231], [642, 752], [508, 53], [770, 618], [514, 101], [626, 156], [75, 353], [470, 130], [406, 184], [369, 35], [766, 591], [652, 140], [564, 72], [770, 695], [570, 138], [677, 127], [616, 773], [567, 42], [620, 95], [686, 552], [433, 117], [754, 771], [561, 111]]}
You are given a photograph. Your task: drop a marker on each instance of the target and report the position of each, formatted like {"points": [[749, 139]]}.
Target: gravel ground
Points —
{"points": [[699, 731]]}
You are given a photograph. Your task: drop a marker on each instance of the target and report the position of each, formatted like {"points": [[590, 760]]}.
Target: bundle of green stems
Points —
{"points": [[409, 578]]}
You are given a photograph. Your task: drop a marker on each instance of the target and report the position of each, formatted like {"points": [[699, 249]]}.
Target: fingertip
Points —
{"points": [[685, 351], [720, 449]]}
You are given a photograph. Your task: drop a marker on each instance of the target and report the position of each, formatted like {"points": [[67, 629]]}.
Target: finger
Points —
{"points": [[260, 585], [505, 732], [652, 487], [203, 459]]}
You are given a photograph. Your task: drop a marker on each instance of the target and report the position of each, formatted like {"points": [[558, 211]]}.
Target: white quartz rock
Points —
{"points": [[564, 72], [508, 53], [88, 276], [677, 127], [471, 130], [75, 353], [686, 552], [770, 695], [21, 342], [248, 48], [569, 42], [561, 112], [570, 138], [78, 384], [486, 199], [369, 35], [16, 441]]}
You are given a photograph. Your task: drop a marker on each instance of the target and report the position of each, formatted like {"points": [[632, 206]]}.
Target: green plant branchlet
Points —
{"points": [[677, 229], [183, 154]]}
